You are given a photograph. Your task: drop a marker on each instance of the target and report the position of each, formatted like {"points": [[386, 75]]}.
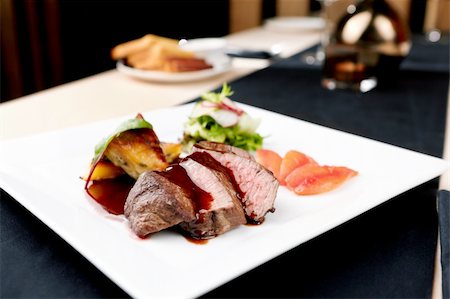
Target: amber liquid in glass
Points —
{"points": [[349, 67], [367, 47]]}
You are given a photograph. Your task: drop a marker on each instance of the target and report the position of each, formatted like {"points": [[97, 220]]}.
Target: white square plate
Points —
{"points": [[42, 173]]}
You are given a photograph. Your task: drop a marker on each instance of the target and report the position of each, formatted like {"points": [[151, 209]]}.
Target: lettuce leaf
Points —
{"points": [[206, 128]]}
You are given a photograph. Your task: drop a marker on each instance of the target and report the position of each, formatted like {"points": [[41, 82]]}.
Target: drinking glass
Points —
{"points": [[317, 56], [367, 47]]}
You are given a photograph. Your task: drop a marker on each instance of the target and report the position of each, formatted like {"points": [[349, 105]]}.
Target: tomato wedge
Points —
{"points": [[292, 160], [314, 179], [270, 160]]}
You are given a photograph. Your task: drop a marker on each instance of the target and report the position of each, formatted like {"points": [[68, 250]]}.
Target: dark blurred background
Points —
{"points": [[45, 43], [59, 41]]}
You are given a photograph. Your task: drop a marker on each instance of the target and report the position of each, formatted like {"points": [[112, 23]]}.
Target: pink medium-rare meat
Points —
{"points": [[213, 190], [198, 193], [257, 185], [224, 211]]}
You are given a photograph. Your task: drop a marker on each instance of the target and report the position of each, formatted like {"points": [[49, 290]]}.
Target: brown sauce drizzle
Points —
{"points": [[194, 240], [201, 199], [253, 222], [186, 235], [112, 193]]}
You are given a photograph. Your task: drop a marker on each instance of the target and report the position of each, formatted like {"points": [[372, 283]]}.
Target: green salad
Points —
{"points": [[217, 118]]}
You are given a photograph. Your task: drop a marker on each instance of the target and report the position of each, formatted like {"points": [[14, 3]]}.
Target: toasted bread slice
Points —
{"points": [[129, 48], [158, 56]]}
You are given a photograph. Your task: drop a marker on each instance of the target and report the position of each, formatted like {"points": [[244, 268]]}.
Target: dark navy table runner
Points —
{"points": [[386, 252], [390, 250]]}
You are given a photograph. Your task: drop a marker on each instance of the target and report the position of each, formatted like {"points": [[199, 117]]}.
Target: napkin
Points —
{"points": [[444, 230], [427, 56]]}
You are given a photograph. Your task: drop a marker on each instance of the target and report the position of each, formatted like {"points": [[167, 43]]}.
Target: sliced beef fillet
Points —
{"points": [[257, 186], [198, 194], [224, 211], [155, 202], [224, 148]]}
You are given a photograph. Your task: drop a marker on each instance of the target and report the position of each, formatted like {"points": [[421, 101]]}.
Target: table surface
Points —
{"points": [[110, 94]]}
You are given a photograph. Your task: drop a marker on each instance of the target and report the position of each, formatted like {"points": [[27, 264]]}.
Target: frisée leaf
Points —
{"points": [[215, 97]]}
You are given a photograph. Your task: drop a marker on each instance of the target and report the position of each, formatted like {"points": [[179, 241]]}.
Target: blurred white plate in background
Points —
{"points": [[210, 49], [218, 67], [292, 24]]}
